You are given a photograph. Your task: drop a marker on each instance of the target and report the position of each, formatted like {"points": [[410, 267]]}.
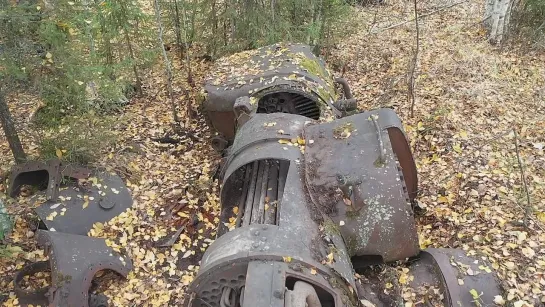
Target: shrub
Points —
{"points": [[80, 139]]}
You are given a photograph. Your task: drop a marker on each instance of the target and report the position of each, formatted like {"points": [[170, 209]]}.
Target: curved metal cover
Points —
{"points": [[456, 274], [362, 192], [248, 72], [49, 173], [77, 208], [74, 261]]}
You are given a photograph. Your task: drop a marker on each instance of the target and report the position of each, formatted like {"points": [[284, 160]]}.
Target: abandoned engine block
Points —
{"points": [[310, 193]]}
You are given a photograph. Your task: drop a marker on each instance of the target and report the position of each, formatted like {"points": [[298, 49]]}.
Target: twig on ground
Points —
{"points": [[528, 209], [175, 236]]}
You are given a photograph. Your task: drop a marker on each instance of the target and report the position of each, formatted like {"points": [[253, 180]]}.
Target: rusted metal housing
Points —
{"points": [[313, 200], [354, 175], [48, 174], [286, 78], [280, 236]]}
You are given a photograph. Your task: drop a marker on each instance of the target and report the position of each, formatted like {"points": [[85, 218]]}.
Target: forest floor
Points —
{"points": [[470, 97]]}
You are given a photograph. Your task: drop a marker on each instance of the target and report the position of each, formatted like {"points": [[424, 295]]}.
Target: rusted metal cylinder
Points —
{"points": [[285, 78]]}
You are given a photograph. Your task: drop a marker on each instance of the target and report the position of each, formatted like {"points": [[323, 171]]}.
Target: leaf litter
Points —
{"points": [[470, 96]]}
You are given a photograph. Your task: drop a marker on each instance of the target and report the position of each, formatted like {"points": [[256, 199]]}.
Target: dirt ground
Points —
{"points": [[470, 97]]}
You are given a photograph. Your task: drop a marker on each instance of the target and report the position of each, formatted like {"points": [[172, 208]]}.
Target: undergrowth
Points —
{"points": [[79, 139]]}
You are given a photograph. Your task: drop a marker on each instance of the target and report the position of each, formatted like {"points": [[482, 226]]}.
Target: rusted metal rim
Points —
{"points": [[448, 269], [75, 260], [48, 173], [35, 296]]}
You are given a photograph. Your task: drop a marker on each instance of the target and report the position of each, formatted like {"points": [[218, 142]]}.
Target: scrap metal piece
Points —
{"points": [[35, 297], [243, 110], [77, 208], [457, 276], [74, 261], [352, 174], [48, 174]]}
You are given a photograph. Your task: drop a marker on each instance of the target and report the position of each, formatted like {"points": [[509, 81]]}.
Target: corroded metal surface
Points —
{"points": [[74, 261], [353, 175], [305, 201], [72, 206], [278, 225], [456, 274], [285, 78], [35, 297], [48, 174], [77, 207]]}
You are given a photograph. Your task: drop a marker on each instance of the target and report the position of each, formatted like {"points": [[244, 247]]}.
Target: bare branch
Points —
{"points": [[168, 68], [412, 69], [421, 16], [528, 209]]}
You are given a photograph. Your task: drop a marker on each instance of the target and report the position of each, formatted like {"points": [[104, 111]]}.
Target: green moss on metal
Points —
{"points": [[352, 214], [313, 67], [331, 228], [351, 244]]}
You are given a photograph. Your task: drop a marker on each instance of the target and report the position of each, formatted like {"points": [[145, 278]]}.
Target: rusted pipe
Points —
{"points": [[346, 87]]}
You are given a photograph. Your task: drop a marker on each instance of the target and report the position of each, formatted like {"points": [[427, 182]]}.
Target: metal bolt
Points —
{"points": [[264, 227], [255, 244], [263, 239], [256, 233]]}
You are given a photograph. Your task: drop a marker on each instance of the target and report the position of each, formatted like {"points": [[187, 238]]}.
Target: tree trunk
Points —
{"points": [[497, 17], [105, 36], [134, 66], [124, 22], [10, 132], [178, 31], [168, 69], [187, 56]]}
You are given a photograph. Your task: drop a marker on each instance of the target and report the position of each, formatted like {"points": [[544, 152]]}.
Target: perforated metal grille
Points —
{"points": [[212, 295], [285, 102]]}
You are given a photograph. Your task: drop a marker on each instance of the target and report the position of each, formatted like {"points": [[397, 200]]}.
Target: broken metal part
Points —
{"points": [[389, 120], [219, 143], [35, 297], [456, 275], [370, 204], [243, 110], [79, 207], [74, 261], [346, 88], [346, 104], [48, 174]]}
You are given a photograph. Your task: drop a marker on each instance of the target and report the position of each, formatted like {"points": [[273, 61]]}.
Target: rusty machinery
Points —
{"points": [[311, 193], [71, 199]]}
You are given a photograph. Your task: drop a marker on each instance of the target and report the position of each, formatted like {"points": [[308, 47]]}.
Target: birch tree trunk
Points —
{"points": [[497, 17]]}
